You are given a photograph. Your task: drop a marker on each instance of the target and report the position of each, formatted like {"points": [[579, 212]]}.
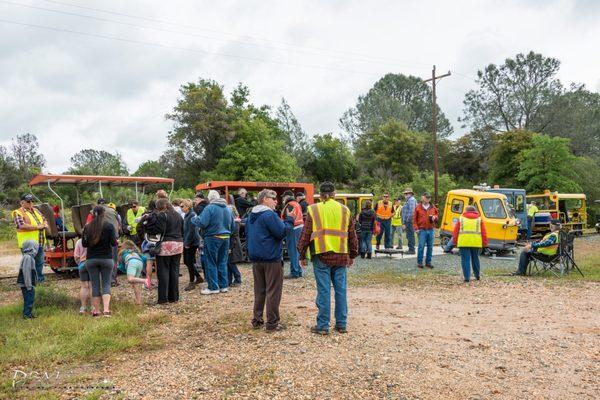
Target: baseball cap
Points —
{"points": [[27, 197], [426, 194]]}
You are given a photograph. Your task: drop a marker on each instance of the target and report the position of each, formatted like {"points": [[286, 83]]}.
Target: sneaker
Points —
{"points": [[516, 273], [277, 328], [81, 310], [257, 325], [318, 331], [106, 314], [190, 286], [291, 277], [341, 329], [429, 266], [419, 266], [410, 252], [208, 291], [29, 316], [235, 284], [224, 290], [476, 278]]}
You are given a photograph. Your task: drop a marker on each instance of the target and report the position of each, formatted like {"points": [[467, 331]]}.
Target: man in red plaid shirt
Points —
{"points": [[329, 237]]}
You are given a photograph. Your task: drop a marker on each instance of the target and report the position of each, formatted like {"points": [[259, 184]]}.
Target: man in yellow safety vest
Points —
{"points": [[31, 225], [134, 214], [532, 209], [544, 249], [329, 240]]}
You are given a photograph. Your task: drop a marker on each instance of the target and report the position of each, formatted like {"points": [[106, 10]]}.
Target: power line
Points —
{"points": [[153, 44], [190, 34], [149, 19]]}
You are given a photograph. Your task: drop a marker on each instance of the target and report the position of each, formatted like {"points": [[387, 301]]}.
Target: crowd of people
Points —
{"points": [[207, 232]]}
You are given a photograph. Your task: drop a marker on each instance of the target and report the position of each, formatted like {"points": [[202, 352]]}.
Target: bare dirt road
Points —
{"points": [[505, 340]]}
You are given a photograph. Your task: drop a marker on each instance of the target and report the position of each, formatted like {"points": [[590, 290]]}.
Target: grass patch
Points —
{"points": [[61, 336]]}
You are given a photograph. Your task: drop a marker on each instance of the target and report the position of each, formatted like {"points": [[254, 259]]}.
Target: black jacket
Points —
{"points": [[366, 219], [170, 224], [242, 205]]}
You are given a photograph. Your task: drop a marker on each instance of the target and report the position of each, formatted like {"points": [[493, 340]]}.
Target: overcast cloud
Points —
{"points": [[75, 91]]}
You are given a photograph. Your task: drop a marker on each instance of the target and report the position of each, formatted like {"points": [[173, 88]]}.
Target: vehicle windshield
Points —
{"points": [[493, 208], [544, 203]]}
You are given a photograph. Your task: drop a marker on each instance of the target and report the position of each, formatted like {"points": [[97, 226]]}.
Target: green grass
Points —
{"points": [[61, 336]]}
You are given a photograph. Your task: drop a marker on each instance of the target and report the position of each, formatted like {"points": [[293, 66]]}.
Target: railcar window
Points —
{"points": [[493, 208], [457, 206]]}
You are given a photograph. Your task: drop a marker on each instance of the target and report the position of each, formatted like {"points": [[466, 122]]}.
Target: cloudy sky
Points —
{"points": [[102, 74]]}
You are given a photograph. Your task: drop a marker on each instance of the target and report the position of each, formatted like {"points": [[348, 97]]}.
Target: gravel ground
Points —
{"points": [[410, 339]]}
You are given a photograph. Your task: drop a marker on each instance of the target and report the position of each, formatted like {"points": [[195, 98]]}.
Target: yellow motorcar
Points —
{"points": [[569, 208], [354, 201], [501, 225]]}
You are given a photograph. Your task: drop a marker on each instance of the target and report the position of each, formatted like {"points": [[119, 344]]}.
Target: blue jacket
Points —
{"points": [[265, 232], [191, 237], [408, 210], [216, 219]]}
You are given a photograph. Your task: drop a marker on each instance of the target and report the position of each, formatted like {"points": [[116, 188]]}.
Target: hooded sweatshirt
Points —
{"points": [[265, 232], [215, 220], [27, 274], [470, 215]]}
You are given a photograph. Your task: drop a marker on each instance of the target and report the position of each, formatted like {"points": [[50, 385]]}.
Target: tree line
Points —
{"points": [[525, 129]]}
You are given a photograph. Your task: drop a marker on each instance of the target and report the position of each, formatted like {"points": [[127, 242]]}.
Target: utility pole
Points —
{"points": [[434, 129]]}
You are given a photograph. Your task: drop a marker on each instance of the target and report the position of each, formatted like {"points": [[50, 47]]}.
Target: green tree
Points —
{"points": [[201, 130], [394, 97], [507, 156], [467, 157], [587, 173], [331, 160], [513, 95], [297, 142], [8, 176], [576, 115], [26, 156], [97, 162], [548, 164], [256, 154], [151, 168], [391, 147]]}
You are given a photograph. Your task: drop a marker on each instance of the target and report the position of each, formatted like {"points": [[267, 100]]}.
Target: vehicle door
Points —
{"points": [[498, 223], [455, 207]]}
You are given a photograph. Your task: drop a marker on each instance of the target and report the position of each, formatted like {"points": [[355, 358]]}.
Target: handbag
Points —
{"points": [[155, 243], [376, 227]]}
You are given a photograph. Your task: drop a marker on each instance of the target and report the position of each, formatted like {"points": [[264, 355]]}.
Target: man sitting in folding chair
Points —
{"points": [[546, 250]]}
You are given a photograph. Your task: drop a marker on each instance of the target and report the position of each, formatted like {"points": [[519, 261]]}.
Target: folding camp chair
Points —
{"points": [[560, 263]]}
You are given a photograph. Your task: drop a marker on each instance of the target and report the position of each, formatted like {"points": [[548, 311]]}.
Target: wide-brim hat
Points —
{"points": [[408, 190]]}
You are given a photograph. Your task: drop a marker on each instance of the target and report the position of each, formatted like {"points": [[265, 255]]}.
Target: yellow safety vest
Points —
{"points": [[131, 218], [31, 218], [532, 210], [397, 217], [550, 250], [330, 222], [470, 233]]}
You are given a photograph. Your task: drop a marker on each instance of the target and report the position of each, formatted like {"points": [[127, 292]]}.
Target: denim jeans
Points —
{"points": [[325, 276], [449, 246], [39, 264], [216, 250], [291, 240], [410, 236], [28, 299], [233, 274], [468, 256], [366, 238], [524, 262], [397, 230], [529, 227], [425, 239], [386, 229]]}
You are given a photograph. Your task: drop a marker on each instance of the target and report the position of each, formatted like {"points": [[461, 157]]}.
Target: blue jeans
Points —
{"points": [[216, 251], [366, 245], [397, 230], [410, 236], [233, 274], [449, 246], [425, 238], [325, 276], [468, 256], [386, 229], [28, 299], [529, 227], [291, 240]]}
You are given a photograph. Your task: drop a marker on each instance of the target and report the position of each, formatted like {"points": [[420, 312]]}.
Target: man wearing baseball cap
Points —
{"points": [[408, 210], [543, 250], [31, 225]]}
